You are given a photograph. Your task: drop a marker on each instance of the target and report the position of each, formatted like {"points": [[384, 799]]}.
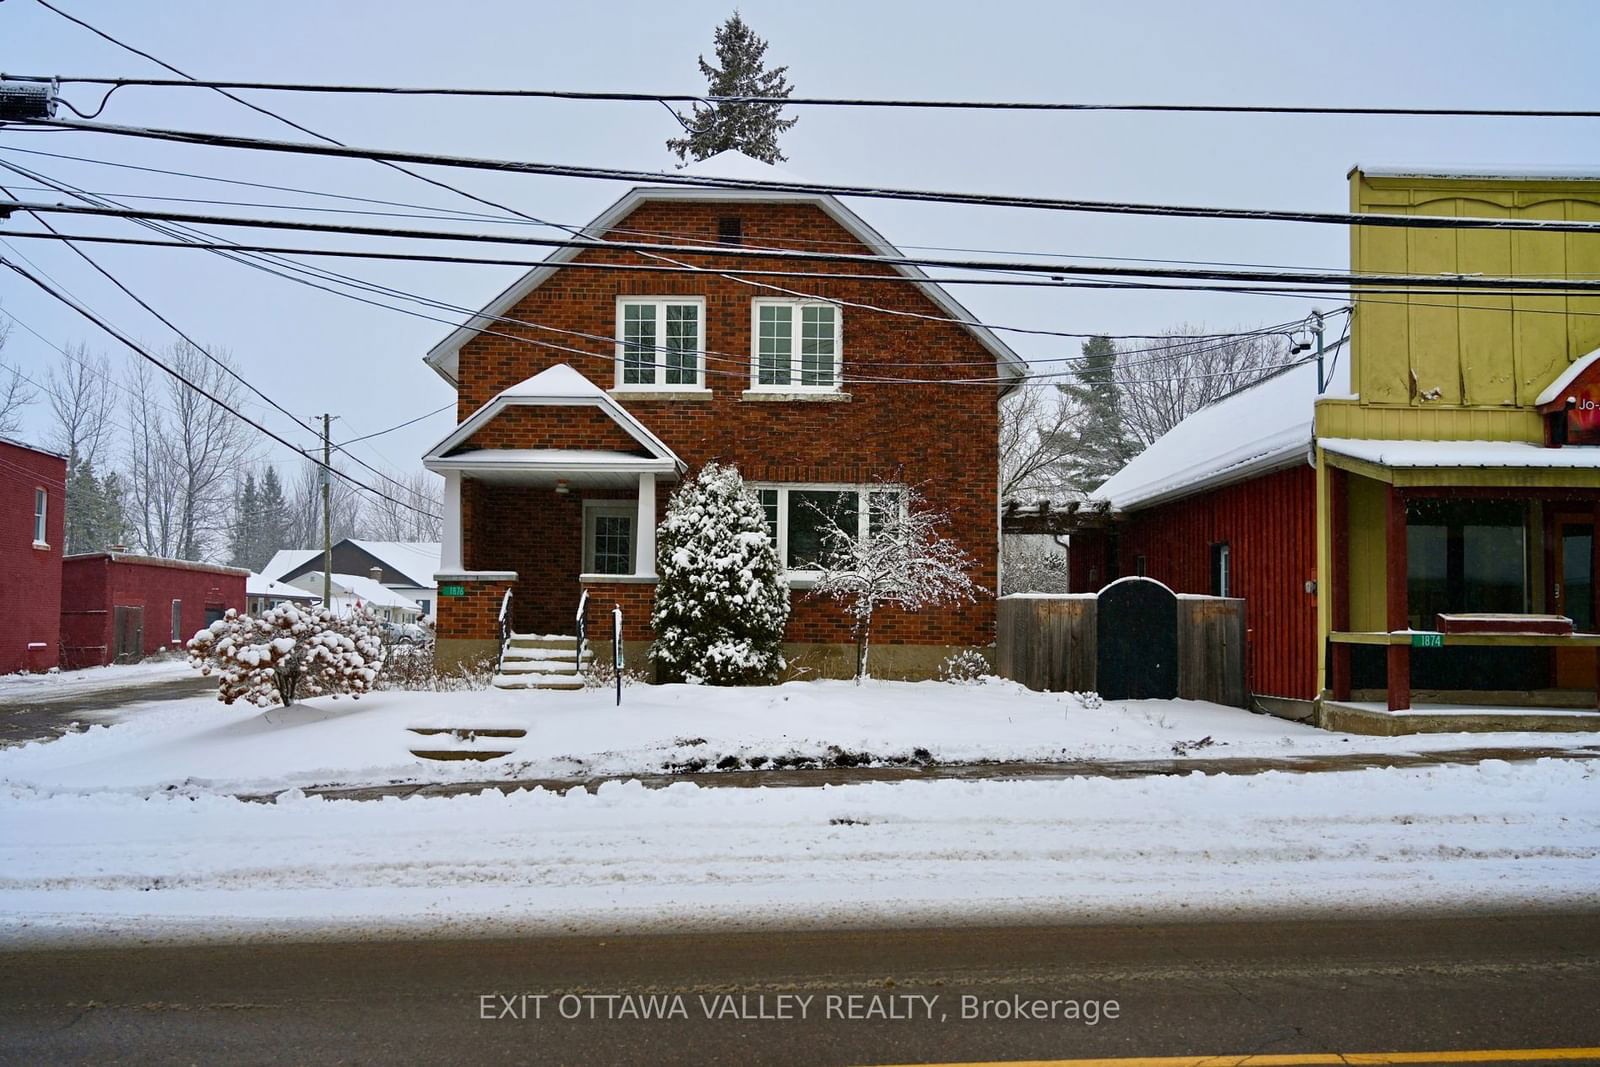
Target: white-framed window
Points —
{"points": [[608, 536], [661, 342], [799, 515], [796, 346], [177, 620], [41, 511]]}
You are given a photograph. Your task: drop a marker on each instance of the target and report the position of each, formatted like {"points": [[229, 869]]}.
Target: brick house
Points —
{"points": [[594, 383], [33, 486]]}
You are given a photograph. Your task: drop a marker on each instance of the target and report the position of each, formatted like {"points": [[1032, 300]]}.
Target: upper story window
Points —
{"points": [[41, 508], [797, 345], [660, 342]]}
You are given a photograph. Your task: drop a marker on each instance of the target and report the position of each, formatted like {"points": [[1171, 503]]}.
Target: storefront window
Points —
{"points": [[1465, 556]]}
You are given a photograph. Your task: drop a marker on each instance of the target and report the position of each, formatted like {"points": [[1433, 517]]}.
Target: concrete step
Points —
{"points": [[553, 655], [561, 641], [538, 666], [537, 681]]}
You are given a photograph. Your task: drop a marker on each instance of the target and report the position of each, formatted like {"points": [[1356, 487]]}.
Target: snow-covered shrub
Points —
{"points": [[414, 667], [1089, 700], [288, 653], [1033, 568], [967, 667], [601, 675], [904, 560], [721, 599]]}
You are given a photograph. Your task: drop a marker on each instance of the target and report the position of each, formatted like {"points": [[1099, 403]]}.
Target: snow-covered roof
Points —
{"points": [[1464, 454], [557, 386], [287, 559], [1503, 172], [359, 587], [1260, 428], [13, 442], [1552, 392], [413, 560], [262, 586], [444, 356]]}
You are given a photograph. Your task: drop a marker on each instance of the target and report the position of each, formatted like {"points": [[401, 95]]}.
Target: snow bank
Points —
{"points": [[1491, 835]]}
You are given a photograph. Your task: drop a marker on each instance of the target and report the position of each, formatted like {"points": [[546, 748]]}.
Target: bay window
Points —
{"points": [[660, 342], [796, 345], [800, 516]]}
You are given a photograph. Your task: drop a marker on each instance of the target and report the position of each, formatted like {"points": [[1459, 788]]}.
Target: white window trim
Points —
{"points": [[41, 517], [795, 355], [806, 578], [627, 509], [177, 620], [658, 362]]}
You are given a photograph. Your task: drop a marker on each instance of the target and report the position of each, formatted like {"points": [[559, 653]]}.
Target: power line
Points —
{"points": [[144, 354], [391, 156], [398, 426], [802, 101]]}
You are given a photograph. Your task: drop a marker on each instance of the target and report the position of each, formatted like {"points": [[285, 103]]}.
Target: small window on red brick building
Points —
{"points": [[41, 507], [730, 230]]}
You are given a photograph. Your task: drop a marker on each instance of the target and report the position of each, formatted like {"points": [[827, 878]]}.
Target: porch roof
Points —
{"points": [[1486, 463], [547, 466]]}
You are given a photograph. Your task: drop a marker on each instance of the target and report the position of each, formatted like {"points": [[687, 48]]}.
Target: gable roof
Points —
{"points": [[1263, 427], [1576, 369], [444, 356], [414, 561], [557, 386]]}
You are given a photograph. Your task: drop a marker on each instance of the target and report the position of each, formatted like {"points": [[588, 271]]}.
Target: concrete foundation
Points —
{"points": [[450, 653], [1375, 720]]}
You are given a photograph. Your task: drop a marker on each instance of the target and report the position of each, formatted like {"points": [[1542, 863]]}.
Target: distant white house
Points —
{"points": [[262, 593], [406, 567], [352, 592]]}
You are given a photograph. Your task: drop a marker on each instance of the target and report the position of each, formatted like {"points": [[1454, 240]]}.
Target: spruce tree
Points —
{"points": [[1100, 446], [112, 518], [83, 507], [721, 598], [246, 524], [274, 532], [750, 128]]}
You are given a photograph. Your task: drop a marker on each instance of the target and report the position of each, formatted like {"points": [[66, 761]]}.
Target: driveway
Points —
{"points": [[43, 716]]}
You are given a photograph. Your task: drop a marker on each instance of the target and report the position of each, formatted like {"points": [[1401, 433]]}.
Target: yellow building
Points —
{"points": [[1458, 486]]}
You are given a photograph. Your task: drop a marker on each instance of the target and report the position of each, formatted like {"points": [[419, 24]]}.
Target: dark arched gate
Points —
{"points": [[1136, 641]]}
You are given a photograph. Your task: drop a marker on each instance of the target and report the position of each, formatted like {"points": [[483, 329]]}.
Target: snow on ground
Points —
{"points": [[74, 683], [200, 745], [1086, 849]]}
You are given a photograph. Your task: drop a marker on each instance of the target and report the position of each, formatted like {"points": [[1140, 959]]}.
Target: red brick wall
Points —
{"points": [[554, 426], [93, 586], [941, 438], [636, 599], [1270, 526], [30, 578], [473, 615]]}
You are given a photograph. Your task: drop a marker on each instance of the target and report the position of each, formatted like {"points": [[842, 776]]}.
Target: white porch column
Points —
{"points": [[450, 548], [644, 556]]}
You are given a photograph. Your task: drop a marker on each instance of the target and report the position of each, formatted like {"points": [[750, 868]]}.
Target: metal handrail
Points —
{"points": [[583, 635], [505, 628]]}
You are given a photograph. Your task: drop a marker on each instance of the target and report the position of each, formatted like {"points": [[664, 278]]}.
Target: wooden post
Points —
{"points": [[1398, 613], [1337, 580]]}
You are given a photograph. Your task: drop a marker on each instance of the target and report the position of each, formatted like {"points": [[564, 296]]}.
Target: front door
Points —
{"points": [[128, 640], [608, 537], [1572, 594]]}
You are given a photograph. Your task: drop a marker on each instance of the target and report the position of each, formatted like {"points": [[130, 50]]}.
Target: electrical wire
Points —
{"points": [[1041, 203]]}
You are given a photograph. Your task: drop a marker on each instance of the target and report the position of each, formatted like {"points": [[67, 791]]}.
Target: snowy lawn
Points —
{"points": [[1394, 841], [201, 746]]}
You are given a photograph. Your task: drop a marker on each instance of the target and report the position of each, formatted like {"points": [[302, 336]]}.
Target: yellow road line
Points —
{"points": [[1495, 1055]]}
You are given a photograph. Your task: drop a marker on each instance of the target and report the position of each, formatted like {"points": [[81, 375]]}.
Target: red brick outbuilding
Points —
{"points": [[117, 607]]}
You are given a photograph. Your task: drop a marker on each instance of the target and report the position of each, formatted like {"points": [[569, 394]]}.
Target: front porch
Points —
{"points": [[1462, 587]]}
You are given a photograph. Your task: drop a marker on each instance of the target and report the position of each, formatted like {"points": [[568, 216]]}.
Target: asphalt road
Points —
{"points": [[42, 716], [1485, 982]]}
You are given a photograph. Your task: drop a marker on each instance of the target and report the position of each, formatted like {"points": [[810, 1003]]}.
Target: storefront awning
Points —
{"points": [[1466, 463]]}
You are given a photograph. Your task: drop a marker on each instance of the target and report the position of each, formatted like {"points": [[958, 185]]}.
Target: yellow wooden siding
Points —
{"points": [[1368, 594], [1454, 356]]}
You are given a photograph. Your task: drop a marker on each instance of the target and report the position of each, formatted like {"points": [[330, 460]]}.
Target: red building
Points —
{"points": [[33, 486], [117, 607]]}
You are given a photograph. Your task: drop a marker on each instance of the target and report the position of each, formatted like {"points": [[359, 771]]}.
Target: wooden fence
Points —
{"points": [[1048, 643]]}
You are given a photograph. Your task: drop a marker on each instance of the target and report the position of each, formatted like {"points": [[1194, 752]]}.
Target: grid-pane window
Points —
{"points": [[613, 544], [818, 345], [41, 505], [659, 343], [775, 343], [769, 504], [797, 345]]}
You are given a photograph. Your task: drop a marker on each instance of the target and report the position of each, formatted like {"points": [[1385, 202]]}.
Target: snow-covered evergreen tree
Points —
{"points": [[721, 600], [288, 653], [751, 128]]}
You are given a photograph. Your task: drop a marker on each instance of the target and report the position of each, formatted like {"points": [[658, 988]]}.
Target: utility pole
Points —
{"points": [[1316, 328], [327, 518]]}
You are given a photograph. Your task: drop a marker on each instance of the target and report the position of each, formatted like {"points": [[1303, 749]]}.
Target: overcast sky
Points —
{"points": [[313, 351]]}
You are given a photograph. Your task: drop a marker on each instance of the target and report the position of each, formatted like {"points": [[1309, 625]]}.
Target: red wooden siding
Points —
{"points": [[1269, 524]]}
